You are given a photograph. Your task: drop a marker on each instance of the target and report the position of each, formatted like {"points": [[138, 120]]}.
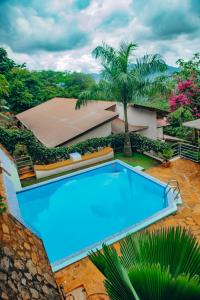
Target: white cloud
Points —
{"points": [[76, 32]]}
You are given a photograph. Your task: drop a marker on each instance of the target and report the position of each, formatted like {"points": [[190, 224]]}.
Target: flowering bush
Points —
{"points": [[188, 96]]}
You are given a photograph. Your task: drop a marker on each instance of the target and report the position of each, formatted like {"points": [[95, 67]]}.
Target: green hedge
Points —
{"points": [[40, 154]]}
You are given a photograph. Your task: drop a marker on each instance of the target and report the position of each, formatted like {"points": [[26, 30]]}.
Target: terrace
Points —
{"points": [[187, 173], [82, 277]]}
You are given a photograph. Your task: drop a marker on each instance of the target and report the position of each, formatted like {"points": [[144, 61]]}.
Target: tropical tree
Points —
{"points": [[189, 69], [4, 92], [164, 264], [6, 64], [125, 80]]}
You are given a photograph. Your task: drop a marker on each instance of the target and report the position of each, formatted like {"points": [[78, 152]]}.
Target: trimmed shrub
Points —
{"points": [[40, 154]]}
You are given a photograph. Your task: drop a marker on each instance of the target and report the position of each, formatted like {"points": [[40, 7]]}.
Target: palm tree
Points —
{"points": [[124, 81], [164, 264]]}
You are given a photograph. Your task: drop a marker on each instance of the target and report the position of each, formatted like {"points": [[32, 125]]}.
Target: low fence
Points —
{"points": [[67, 165], [187, 151]]}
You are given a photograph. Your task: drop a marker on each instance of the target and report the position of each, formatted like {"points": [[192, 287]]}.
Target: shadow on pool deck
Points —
{"points": [[187, 174]]}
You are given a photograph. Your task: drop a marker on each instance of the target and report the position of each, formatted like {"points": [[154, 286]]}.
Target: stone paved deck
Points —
{"points": [[187, 174]]}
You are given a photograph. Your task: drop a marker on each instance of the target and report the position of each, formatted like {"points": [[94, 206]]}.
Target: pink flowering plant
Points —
{"points": [[187, 95]]}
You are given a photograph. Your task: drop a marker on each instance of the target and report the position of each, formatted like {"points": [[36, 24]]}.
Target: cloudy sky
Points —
{"points": [[60, 34]]}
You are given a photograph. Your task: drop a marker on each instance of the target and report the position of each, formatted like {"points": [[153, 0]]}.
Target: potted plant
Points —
{"points": [[167, 154]]}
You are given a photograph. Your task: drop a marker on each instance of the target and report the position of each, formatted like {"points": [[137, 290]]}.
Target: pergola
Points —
{"points": [[194, 125]]}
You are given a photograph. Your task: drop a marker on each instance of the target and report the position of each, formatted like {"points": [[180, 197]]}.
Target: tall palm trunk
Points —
{"points": [[127, 141]]}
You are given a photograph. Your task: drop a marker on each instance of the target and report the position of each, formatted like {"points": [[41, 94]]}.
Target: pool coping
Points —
{"points": [[171, 208]]}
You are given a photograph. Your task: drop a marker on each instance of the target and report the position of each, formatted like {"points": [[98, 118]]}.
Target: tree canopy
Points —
{"points": [[23, 89]]}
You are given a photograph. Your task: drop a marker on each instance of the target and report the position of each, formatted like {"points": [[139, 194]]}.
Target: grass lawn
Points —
{"points": [[137, 159]]}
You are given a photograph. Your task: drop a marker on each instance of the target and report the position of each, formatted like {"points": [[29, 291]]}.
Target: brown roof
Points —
{"points": [[56, 121], [118, 126]]}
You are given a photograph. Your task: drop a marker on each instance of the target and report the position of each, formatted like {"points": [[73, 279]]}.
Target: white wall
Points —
{"points": [[78, 164], [141, 117], [160, 133], [11, 169], [101, 131], [11, 183]]}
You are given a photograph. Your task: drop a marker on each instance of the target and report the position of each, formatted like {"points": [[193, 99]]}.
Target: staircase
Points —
{"points": [[25, 167]]}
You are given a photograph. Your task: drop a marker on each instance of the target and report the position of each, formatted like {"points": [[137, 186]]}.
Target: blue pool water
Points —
{"points": [[78, 211]]}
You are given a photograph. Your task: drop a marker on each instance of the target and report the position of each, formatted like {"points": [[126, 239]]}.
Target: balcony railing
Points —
{"points": [[187, 151]]}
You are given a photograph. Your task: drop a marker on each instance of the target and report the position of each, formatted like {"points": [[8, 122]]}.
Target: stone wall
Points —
{"points": [[25, 272]]}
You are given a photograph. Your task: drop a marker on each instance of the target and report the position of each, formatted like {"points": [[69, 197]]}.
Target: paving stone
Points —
{"points": [[15, 276], [3, 276], [5, 228], [8, 251], [34, 293], [5, 263], [19, 264], [27, 246], [25, 295], [46, 290], [28, 276], [32, 269], [4, 296], [12, 286], [23, 281], [49, 279]]}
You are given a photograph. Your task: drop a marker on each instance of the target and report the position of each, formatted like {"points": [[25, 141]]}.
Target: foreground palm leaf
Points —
{"points": [[123, 80], [164, 264]]}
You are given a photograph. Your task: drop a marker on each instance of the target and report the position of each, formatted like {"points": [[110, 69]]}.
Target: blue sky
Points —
{"points": [[60, 34]]}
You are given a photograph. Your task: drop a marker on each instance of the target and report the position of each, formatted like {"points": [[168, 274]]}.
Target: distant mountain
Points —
{"points": [[96, 76], [170, 71]]}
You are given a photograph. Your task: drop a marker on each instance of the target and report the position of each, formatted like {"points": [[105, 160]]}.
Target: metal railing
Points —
{"points": [[187, 151], [173, 185]]}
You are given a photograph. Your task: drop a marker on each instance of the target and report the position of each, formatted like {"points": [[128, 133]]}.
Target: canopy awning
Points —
{"points": [[193, 124]]}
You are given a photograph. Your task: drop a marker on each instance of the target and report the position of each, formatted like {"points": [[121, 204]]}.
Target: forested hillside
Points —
{"points": [[21, 88]]}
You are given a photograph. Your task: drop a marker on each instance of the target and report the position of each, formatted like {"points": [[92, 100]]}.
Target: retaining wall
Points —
{"points": [[67, 165]]}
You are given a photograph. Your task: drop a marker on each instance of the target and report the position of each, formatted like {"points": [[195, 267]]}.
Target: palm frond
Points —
{"points": [[152, 281], [161, 265], [149, 64], [105, 53], [146, 87], [125, 55], [117, 281], [82, 101], [174, 247]]}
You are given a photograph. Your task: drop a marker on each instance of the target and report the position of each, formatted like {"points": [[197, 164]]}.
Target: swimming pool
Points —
{"points": [[76, 213]]}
